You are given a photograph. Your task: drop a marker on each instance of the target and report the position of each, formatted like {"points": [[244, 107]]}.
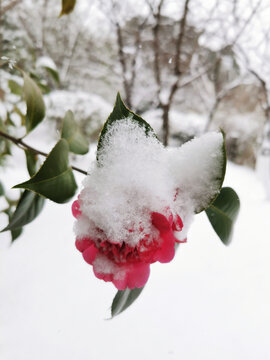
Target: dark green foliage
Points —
{"points": [[223, 212], [55, 179], [123, 299], [28, 208], [34, 103], [67, 7], [71, 132]]}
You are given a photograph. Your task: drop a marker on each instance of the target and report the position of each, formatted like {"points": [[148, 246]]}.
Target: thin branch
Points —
{"points": [[157, 73], [21, 144], [123, 62], [10, 6], [179, 43], [253, 12], [138, 42]]}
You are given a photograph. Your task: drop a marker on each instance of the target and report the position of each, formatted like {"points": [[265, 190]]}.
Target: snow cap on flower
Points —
{"points": [[137, 195]]}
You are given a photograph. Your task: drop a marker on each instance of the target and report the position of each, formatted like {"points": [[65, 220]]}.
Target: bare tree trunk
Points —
{"points": [[123, 63], [165, 124], [178, 73]]}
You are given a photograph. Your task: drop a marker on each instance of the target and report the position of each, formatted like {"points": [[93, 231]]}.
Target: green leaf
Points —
{"points": [[28, 208], [223, 212], [55, 179], [34, 103], [67, 7], [123, 299], [120, 111], [16, 233], [15, 88], [31, 161], [71, 132], [54, 74], [2, 191]]}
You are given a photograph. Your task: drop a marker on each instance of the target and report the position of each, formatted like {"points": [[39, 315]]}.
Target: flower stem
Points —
{"points": [[21, 144]]}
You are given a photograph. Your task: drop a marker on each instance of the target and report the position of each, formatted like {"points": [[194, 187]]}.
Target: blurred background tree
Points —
{"points": [[187, 66]]}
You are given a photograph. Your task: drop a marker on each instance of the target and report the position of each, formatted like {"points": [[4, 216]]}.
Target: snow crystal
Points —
{"points": [[135, 175]]}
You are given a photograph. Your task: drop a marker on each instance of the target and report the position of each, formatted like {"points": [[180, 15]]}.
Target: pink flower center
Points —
{"points": [[123, 253]]}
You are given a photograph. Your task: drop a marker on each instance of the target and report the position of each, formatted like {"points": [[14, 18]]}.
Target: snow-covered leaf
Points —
{"points": [[199, 168], [28, 208], [223, 212], [71, 132], [120, 111], [16, 233], [54, 74], [34, 103], [55, 179], [123, 299], [67, 7]]}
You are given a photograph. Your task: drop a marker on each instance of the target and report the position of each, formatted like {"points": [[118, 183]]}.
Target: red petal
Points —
{"points": [[89, 254], [160, 221], [177, 224], [120, 284], [181, 241], [167, 251], [75, 208], [82, 244]]}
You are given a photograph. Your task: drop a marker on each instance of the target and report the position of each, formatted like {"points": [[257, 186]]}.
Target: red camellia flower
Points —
{"points": [[128, 266]]}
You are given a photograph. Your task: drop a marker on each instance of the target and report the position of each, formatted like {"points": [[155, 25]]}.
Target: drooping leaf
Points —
{"points": [[16, 233], [31, 161], [54, 74], [222, 213], [15, 88], [34, 103], [44, 88], [67, 7], [55, 179], [71, 132], [123, 299], [2, 191], [205, 159], [120, 111], [28, 208]]}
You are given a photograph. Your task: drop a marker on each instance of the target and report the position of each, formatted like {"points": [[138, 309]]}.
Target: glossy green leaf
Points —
{"points": [[55, 179], [16, 233], [67, 7], [123, 299], [71, 132], [34, 103], [120, 111], [15, 88], [28, 208], [54, 74], [31, 162], [223, 212], [2, 191]]}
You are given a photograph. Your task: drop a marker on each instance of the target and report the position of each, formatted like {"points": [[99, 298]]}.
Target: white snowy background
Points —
{"points": [[210, 302]]}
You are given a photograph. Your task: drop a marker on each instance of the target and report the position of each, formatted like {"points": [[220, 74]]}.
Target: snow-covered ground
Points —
{"points": [[210, 302]]}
